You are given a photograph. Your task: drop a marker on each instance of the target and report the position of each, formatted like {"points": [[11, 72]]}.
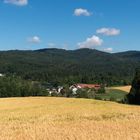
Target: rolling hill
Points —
{"points": [[71, 66]]}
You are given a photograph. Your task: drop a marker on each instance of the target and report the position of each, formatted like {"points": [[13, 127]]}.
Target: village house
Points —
{"points": [[75, 87], [55, 90], [1, 75]]}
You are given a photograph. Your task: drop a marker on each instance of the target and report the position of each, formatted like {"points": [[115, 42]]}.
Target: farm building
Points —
{"points": [[89, 86], [75, 87]]}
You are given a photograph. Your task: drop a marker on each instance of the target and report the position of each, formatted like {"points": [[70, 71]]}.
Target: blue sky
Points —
{"points": [[108, 25]]}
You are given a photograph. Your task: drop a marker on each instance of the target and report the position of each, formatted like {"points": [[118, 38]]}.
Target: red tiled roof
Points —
{"points": [[88, 85]]}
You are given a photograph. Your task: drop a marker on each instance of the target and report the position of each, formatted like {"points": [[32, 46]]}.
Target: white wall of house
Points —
{"points": [[1, 75]]}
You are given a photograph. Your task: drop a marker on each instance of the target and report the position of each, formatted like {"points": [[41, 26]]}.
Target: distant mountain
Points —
{"points": [[135, 55], [71, 66]]}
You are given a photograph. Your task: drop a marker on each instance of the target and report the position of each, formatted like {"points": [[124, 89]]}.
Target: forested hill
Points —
{"points": [[71, 66]]}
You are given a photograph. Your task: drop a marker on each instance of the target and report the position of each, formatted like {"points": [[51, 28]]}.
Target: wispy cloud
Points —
{"points": [[91, 42], [34, 40], [82, 12], [108, 49], [17, 2], [108, 31]]}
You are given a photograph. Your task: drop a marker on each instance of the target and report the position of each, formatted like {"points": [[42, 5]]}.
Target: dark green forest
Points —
{"points": [[58, 66]]}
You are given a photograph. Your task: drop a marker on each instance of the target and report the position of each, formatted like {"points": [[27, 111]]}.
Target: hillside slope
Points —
{"points": [[63, 66]]}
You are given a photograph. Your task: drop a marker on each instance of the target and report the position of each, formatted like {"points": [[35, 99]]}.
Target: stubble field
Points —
{"points": [[123, 88]]}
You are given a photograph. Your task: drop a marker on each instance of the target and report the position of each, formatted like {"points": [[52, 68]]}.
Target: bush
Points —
{"points": [[54, 94], [43, 93], [91, 95], [101, 90], [112, 99], [69, 94], [98, 98], [66, 92], [81, 93], [86, 93]]}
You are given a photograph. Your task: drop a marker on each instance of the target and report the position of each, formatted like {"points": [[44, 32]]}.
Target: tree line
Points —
{"points": [[13, 86]]}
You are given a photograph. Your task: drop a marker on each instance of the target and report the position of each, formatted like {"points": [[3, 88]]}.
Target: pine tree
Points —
{"points": [[134, 96]]}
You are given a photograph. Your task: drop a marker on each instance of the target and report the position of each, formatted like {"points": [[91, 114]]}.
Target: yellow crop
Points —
{"points": [[43, 118]]}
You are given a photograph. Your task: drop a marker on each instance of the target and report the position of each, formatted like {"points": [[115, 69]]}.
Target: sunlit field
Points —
{"points": [[67, 119], [123, 88]]}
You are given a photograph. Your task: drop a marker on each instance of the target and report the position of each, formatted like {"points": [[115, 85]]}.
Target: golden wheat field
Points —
{"points": [[123, 88], [43, 118]]}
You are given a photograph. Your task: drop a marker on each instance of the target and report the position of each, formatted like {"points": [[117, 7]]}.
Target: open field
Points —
{"points": [[43, 118], [112, 94], [123, 88]]}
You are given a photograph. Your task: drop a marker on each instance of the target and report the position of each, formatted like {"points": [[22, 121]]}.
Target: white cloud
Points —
{"points": [[108, 31], [108, 49], [91, 42], [17, 2], [34, 40], [82, 12]]}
